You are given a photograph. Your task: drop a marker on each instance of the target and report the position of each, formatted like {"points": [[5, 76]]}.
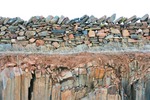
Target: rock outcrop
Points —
{"points": [[84, 76]]}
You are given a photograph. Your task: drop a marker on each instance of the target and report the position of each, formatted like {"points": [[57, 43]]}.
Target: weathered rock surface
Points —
{"points": [[84, 76]]}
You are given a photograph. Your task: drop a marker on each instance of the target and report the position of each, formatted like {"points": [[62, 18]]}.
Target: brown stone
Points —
{"points": [[30, 34], [107, 30], [99, 73], [146, 30], [132, 40], [38, 73], [115, 31], [31, 40], [125, 33], [39, 42], [91, 33], [132, 31], [56, 44], [71, 36], [144, 25], [67, 95], [101, 34]]}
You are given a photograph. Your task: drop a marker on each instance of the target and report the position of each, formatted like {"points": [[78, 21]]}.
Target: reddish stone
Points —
{"points": [[55, 44], [39, 42], [71, 36], [101, 31], [125, 33], [107, 30], [31, 40], [91, 33], [101, 34], [87, 42], [99, 73], [67, 95]]}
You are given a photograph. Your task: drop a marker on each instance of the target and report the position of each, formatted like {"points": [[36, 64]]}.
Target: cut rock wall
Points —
{"points": [[55, 32], [84, 76]]}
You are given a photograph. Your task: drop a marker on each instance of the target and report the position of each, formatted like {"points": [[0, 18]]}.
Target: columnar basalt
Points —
{"points": [[84, 76]]}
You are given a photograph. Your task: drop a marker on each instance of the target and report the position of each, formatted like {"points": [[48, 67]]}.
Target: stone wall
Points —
{"points": [[55, 32]]}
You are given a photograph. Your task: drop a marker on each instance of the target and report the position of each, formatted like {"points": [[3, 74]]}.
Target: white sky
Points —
{"points": [[73, 8]]}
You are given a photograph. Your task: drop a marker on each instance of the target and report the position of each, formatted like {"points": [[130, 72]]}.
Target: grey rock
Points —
{"points": [[130, 19], [112, 89], [22, 27], [44, 33], [58, 31], [118, 20], [55, 20], [109, 37], [135, 36], [21, 38], [18, 21], [6, 20], [21, 33], [61, 19], [1, 20], [112, 18], [11, 20], [2, 33], [49, 18], [102, 19], [81, 47], [13, 40], [135, 20], [91, 19], [3, 28], [4, 47], [30, 34], [84, 19], [66, 21], [12, 28], [145, 17]]}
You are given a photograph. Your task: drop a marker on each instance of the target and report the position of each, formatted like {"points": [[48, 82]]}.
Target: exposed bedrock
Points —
{"points": [[84, 76]]}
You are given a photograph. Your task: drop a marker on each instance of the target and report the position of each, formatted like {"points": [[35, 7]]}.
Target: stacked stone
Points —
{"points": [[54, 32]]}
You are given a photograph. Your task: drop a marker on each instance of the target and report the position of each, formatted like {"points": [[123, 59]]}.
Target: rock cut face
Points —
{"points": [[83, 76]]}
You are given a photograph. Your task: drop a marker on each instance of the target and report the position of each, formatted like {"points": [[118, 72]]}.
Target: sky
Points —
{"points": [[73, 8]]}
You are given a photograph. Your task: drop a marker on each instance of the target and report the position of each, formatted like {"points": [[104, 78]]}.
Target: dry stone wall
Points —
{"points": [[55, 32]]}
